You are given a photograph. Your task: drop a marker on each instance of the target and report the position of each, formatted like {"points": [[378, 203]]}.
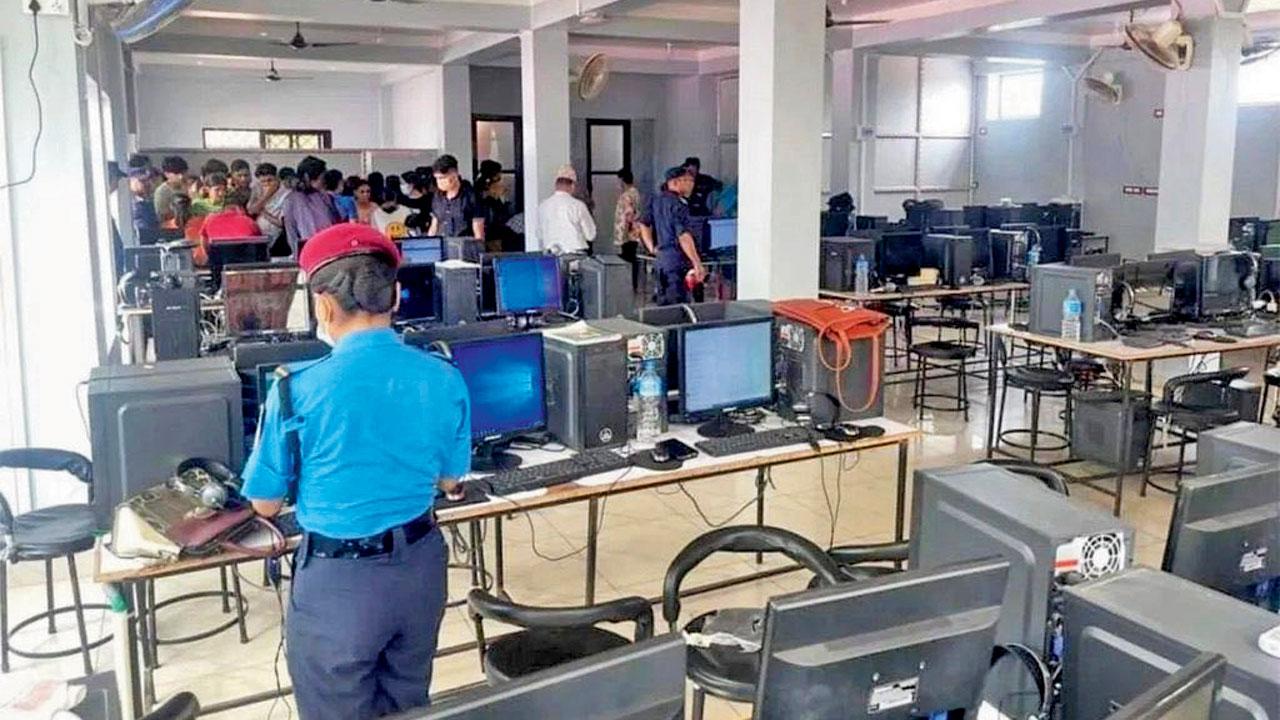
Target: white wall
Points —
{"points": [[175, 103], [412, 111], [1024, 159], [1254, 183]]}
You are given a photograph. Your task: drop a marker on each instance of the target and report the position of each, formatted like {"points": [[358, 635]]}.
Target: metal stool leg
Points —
{"points": [[222, 576], [699, 703], [922, 370], [1035, 422], [1004, 393], [4, 616], [48, 595], [75, 598], [963, 390], [239, 599], [1182, 454]]}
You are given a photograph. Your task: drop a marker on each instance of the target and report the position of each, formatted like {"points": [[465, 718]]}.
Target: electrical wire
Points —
{"points": [[698, 508], [31, 79]]}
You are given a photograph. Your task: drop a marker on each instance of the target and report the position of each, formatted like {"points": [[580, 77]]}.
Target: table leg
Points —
{"points": [[593, 535], [124, 621], [1126, 431], [900, 509], [992, 371], [761, 483], [499, 560], [148, 694]]}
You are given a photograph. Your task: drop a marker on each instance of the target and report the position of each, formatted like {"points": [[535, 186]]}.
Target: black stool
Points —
{"points": [[1037, 381], [939, 352], [47, 534]]}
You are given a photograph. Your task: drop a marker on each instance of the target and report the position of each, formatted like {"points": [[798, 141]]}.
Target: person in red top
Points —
{"points": [[233, 222]]}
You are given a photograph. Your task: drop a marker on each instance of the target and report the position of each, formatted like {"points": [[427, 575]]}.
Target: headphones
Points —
{"points": [[211, 481]]}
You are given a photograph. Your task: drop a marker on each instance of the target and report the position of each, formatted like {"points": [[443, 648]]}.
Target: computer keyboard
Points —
{"points": [[536, 477], [756, 441]]}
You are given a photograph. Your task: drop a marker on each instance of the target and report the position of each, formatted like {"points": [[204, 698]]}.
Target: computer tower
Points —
{"points": [[606, 287], [839, 258], [643, 343], [1050, 285], [467, 249], [175, 321], [459, 284], [1127, 631], [855, 393], [952, 255], [1008, 255], [145, 419], [1217, 448], [979, 511], [1096, 424], [586, 375]]}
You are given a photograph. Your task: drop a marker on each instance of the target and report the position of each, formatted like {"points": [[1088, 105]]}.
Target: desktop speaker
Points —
{"points": [[175, 322], [606, 287], [586, 375], [458, 284]]}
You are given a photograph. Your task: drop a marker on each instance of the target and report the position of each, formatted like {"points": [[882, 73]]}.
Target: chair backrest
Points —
{"points": [[627, 609], [1176, 389], [1052, 479], [49, 459], [743, 539]]}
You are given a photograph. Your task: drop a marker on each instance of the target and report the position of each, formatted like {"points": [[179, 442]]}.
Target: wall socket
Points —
{"points": [[48, 7]]}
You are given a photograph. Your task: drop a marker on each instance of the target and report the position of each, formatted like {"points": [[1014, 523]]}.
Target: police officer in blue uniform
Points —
{"points": [[667, 233], [365, 435]]}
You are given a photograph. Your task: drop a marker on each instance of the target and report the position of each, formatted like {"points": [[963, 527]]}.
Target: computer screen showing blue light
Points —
{"points": [[418, 251], [724, 233], [726, 366], [527, 283], [417, 292], [504, 376]]}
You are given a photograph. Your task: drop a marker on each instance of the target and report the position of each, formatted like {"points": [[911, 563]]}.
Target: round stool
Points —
{"points": [[1037, 381], [938, 352]]}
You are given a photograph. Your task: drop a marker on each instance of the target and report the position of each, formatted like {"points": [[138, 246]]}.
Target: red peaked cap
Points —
{"points": [[345, 240]]}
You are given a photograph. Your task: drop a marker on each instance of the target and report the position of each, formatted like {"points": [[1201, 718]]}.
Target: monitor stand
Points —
{"points": [[723, 426], [488, 457]]}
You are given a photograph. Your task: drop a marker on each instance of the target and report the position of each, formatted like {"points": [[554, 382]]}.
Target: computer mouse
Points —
{"points": [[1269, 642]]}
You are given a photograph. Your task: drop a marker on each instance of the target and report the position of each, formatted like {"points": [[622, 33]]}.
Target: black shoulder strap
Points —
{"points": [[294, 443]]}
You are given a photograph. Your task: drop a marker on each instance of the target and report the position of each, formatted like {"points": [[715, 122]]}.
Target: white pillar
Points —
{"points": [[846, 89], [1197, 147], [544, 92], [780, 147], [455, 114]]}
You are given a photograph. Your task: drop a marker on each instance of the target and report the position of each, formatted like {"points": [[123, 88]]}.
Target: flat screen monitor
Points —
{"points": [[417, 293], [527, 283], [726, 365], [1188, 694], [264, 299], [419, 251], [905, 646], [505, 378], [644, 681], [723, 233], [900, 254]]}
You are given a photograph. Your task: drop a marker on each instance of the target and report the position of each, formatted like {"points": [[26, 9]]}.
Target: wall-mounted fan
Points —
{"points": [[1167, 44], [832, 22], [1259, 50], [274, 75], [1105, 87], [593, 76], [298, 42]]}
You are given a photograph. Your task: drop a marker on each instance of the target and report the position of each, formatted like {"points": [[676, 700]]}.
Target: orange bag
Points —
{"points": [[842, 325]]}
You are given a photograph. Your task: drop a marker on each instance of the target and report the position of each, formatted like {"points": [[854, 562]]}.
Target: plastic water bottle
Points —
{"points": [[1033, 255], [1071, 310], [862, 276], [653, 397]]}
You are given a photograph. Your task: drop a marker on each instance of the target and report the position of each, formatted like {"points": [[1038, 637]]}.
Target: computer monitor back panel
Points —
{"points": [[1218, 448], [606, 287], [1129, 628], [1050, 286]]}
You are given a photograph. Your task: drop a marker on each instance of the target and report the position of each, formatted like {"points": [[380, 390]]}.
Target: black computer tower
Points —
{"points": [[952, 255], [1008, 254], [606, 287], [839, 258], [805, 379], [459, 284], [175, 322], [586, 376]]}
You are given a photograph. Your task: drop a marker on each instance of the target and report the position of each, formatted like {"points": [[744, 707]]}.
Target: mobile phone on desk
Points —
{"points": [[675, 450]]}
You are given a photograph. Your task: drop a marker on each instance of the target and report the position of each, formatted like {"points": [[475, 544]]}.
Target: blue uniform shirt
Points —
{"points": [[379, 424], [668, 215]]}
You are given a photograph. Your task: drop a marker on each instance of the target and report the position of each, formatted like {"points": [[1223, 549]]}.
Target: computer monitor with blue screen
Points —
{"points": [[725, 366], [724, 234], [419, 251], [505, 379], [417, 293], [527, 284]]}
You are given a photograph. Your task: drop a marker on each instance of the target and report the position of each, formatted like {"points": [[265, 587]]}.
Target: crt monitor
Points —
{"points": [[723, 234], [417, 293], [1188, 694], [418, 251], [505, 379], [723, 366], [1225, 529], [261, 299], [644, 681], [527, 283], [1227, 280], [909, 645]]}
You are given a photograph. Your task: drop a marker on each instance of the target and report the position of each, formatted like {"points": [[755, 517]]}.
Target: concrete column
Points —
{"points": [[50, 336], [846, 90], [544, 94], [455, 110], [780, 147], [1197, 148]]}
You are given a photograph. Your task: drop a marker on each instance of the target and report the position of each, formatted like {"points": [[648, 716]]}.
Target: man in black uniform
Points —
{"points": [[455, 210], [704, 186], [667, 234]]}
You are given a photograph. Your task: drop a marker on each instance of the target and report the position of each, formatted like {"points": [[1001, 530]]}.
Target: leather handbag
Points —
{"points": [[840, 326]]}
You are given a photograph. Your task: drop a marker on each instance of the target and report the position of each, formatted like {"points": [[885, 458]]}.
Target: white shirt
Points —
{"points": [[565, 221], [391, 224]]}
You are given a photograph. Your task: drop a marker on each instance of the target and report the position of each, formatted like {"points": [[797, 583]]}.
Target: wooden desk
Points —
{"points": [[926, 292], [1127, 357], [127, 579]]}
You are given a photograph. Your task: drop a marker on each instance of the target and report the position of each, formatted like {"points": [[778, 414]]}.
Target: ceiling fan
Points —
{"points": [[298, 42], [833, 23], [274, 75], [1259, 51]]}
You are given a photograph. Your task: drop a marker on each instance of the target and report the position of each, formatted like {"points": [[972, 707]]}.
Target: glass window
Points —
{"points": [[1260, 81], [238, 139], [243, 138], [1015, 96]]}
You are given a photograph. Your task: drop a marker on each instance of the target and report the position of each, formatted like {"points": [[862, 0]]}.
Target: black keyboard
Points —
{"points": [[536, 477], [756, 441]]}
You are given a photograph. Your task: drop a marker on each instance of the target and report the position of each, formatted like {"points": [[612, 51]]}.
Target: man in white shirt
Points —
{"points": [[564, 222]]}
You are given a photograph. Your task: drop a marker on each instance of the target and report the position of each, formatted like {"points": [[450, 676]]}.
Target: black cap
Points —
{"points": [[675, 172]]}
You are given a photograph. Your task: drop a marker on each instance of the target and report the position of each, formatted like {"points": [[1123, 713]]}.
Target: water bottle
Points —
{"points": [[1033, 256], [1071, 310], [862, 276], [653, 398]]}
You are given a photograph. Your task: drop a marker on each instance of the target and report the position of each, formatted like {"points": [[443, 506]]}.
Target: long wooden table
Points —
{"points": [[126, 580], [926, 292], [1127, 357]]}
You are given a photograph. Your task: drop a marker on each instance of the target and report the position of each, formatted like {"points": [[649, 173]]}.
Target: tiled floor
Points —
{"points": [[641, 533]]}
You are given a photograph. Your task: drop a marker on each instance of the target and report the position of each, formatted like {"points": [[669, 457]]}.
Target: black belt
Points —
{"points": [[372, 546]]}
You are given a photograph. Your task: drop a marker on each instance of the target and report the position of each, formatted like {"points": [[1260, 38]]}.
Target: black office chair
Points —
{"points": [[1052, 479], [729, 672], [1193, 403], [551, 636], [47, 534]]}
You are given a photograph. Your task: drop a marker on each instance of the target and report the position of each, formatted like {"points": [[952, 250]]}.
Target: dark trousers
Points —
{"points": [[361, 633], [669, 287]]}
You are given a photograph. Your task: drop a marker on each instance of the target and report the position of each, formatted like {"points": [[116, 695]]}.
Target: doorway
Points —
{"points": [[608, 151], [499, 138]]}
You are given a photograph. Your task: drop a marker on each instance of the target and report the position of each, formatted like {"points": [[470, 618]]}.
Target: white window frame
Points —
{"points": [[995, 99]]}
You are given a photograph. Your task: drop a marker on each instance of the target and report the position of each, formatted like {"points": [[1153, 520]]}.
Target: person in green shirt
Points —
{"points": [[175, 179], [214, 192]]}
